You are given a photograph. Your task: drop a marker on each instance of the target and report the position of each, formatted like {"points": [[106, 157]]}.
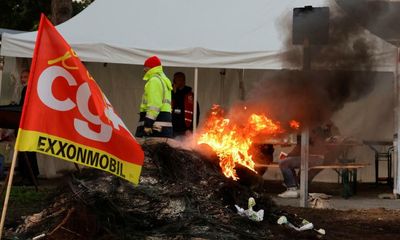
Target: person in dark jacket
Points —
{"points": [[25, 158], [182, 106]]}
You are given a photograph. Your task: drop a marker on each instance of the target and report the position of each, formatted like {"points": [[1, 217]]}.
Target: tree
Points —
{"points": [[22, 14], [25, 14], [61, 11]]}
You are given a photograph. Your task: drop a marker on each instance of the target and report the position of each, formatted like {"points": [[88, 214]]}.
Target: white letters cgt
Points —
{"points": [[45, 82]]}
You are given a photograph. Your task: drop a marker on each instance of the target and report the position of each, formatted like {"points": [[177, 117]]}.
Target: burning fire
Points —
{"points": [[294, 124], [231, 141]]}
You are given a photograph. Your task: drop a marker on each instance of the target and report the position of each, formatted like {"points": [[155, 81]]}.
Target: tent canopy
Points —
{"points": [[207, 33]]}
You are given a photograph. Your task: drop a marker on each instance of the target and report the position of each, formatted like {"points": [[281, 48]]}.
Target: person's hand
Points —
{"points": [[148, 131], [283, 155], [148, 126]]}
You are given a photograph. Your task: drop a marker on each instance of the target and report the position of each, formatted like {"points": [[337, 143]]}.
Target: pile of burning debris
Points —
{"points": [[182, 195]]}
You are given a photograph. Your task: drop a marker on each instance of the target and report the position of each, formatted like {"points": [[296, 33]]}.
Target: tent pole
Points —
{"points": [[196, 78], [1, 70], [241, 86], [396, 185], [222, 74], [305, 135]]}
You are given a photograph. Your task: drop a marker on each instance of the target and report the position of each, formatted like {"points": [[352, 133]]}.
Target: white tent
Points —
{"points": [[187, 34], [237, 34], [211, 34]]}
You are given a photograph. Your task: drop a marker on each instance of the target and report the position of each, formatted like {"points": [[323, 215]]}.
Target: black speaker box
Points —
{"points": [[312, 24]]}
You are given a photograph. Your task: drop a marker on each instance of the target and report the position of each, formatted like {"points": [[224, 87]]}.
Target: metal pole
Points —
{"points": [[222, 74], [242, 89], [305, 136], [396, 185], [196, 78], [1, 70]]}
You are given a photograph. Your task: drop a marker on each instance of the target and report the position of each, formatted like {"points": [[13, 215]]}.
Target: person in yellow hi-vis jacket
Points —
{"points": [[155, 109]]}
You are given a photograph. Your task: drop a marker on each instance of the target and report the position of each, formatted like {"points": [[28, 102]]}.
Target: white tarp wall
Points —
{"points": [[123, 86]]}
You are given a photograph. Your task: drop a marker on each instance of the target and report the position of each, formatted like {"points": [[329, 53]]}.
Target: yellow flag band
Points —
{"points": [[76, 153]]}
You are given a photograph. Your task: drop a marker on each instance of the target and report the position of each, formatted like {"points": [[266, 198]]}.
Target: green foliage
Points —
{"points": [[22, 14], [21, 195], [78, 6], [25, 14]]}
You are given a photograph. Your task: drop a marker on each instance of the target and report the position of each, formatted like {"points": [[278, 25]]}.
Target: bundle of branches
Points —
{"points": [[181, 195]]}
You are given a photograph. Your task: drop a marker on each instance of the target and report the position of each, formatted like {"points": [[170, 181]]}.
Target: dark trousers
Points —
{"points": [[23, 167], [289, 164]]}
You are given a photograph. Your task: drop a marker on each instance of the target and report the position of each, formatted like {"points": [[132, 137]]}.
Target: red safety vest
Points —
{"points": [[188, 104]]}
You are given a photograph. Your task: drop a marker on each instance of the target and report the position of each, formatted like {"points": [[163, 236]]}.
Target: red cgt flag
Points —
{"points": [[66, 115]]}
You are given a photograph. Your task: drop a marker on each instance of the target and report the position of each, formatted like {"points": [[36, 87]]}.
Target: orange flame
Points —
{"points": [[294, 124], [231, 141]]}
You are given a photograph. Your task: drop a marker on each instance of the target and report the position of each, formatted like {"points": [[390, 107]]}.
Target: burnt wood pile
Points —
{"points": [[182, 195]]}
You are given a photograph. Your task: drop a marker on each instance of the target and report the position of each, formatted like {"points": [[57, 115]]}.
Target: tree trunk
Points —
{"points": [[61, 11]]}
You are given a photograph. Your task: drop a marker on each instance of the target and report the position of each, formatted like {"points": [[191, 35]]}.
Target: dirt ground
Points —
{"points": [[378, 223], [352, 224]]}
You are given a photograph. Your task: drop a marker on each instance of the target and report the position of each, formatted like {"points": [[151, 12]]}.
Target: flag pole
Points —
{"points": [[11, 174], [9, 184]]}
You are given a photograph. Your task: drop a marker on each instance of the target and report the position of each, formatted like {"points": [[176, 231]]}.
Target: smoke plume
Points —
{"points": [[341, 72]]}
